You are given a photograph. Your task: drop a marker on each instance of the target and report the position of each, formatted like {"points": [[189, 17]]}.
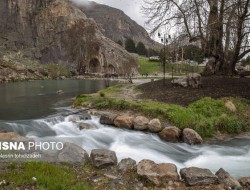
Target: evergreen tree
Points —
{"points": [[130, 45], [140, 49], [120, 42]]}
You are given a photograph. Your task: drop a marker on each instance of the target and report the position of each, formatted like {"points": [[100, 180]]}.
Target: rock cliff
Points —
{"points": [[40, 29], [116, 25]]}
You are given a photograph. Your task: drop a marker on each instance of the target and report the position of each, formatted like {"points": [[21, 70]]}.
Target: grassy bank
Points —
{"points": [[206, 116], [43, 176]]}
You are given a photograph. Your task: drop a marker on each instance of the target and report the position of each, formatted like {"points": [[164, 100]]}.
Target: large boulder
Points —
{"points": [[226, 179], [72, 153], [107, 118], [245, 181], [155, 126], [192, 80], [102, 158], [191, 137], [140, 123], [196, 176], [124, 122], [180, 82], [170, 134], [158, 174], [126, 165]]}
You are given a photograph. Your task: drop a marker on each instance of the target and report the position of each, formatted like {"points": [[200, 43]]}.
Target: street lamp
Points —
{"points": [[164, 39]]}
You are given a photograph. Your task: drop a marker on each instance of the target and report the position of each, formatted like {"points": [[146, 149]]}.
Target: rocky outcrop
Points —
{"points": [[158, 174], [155, 125], [40, 29], [191, 137], [102, 158], [124, 122], [226, 179], [245, 181], [196, 176], [140, 123], [170, 134], [118, 26]]}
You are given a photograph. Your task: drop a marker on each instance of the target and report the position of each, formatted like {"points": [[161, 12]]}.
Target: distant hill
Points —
{"points": [[116, 25]]}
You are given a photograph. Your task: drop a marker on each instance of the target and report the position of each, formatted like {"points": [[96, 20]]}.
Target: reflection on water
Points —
{"points": [[34, 99]]}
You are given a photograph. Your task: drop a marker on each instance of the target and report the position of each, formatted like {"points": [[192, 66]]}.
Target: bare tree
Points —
{"points": [[82, 43], [222, 27]]}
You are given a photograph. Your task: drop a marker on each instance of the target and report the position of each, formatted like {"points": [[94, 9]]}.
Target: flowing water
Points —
{"points": [[51, 122]]}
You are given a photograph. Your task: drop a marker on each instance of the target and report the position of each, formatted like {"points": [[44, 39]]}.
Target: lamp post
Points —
{"points": [[164, 39]]}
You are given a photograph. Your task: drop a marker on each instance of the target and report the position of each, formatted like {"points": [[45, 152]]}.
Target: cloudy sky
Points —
{"points": [[131, 7]]}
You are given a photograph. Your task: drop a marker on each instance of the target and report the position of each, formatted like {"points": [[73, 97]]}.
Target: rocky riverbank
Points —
{"points": [[102, 170], [15, 67]]}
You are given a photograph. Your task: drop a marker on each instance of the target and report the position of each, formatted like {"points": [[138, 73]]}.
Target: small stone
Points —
{"points": [[124, 122], [83, 126], [228, 181], [197, 176], [74, 118], [158, 174], [230, 106], [191, 137], [72, 153], [127, 164], [102, 158], [107, 118]]}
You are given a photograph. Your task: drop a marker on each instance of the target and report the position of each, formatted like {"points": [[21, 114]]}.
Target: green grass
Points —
{"points": [[206, 116], [149, 66], [49, 176]]}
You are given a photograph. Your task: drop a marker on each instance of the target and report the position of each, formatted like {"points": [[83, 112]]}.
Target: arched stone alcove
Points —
{"points": [[111, 69], [94, 66]]}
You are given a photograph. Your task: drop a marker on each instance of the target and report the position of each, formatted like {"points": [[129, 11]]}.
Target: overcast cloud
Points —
{"points": [[131, 7]]}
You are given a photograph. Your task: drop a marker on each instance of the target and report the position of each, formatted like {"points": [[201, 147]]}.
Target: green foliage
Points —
{"points": [[141, 49], [102, 94], [192, 52], [130, 45], [55, 71], [49, 176], [230, 124]]}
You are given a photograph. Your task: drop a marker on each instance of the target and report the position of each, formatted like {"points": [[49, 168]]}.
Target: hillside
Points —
{"points": [[116, 25], [48, 31]]}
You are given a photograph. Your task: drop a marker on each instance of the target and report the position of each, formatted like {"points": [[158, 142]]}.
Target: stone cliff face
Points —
{"points": [[39, 29], [116, 25]]}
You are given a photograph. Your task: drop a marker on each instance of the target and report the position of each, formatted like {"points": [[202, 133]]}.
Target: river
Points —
{"points": [[35, 109]]}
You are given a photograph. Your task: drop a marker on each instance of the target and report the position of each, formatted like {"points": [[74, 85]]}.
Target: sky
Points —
{"points": [[130, 7]]}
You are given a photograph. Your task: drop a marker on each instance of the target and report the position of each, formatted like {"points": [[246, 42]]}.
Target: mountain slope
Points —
{"points": [[40, 29], [117, 25]]}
